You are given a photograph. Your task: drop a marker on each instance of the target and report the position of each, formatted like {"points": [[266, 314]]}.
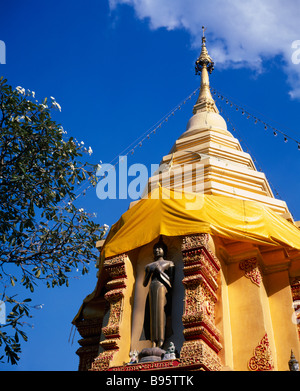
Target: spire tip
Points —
{"points": [[204, 58]]}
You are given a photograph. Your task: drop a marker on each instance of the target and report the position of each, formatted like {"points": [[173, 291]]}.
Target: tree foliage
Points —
{"points": [[43, 235]]}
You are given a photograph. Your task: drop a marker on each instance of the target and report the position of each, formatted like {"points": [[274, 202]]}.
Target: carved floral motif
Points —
{"points": [[262, 359], [117, 272], [201, 268], [295, 288], [251, 269]]}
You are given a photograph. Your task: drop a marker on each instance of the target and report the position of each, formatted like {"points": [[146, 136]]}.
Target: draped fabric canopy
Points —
{"points": [[173, 213]]}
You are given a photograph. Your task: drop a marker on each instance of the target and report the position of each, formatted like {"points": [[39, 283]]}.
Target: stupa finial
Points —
{"points": [[204, 58], [204, 65]]}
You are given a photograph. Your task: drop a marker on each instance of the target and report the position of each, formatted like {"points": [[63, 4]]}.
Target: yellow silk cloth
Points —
{"points": [[173, 213]]}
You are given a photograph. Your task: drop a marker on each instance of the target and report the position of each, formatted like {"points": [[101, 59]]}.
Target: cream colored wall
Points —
{"points": [[222, 313], [249, 320], [245, 312], [281, 309], [125, 324]]}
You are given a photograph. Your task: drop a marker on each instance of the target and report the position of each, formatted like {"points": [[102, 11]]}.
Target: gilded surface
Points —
{"points": [[115, 296], [295, 288], [251, 269], [202, 337], [262, 359]]}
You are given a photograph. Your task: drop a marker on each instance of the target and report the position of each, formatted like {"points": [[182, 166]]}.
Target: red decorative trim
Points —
{"points": [[295, 288], [148, 366], [262, 359], [251, 269], [116, 285], [201, 268]]}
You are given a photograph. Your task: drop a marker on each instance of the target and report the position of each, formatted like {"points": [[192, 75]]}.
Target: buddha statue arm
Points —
{"points": [[148, 273]]}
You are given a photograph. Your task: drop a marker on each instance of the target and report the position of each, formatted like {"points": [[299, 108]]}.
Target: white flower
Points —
{"points": [[51, 97], [90, 151], [105, 227], [20, 90], [82, 143], [56, 105], [43, 107], [80, 210], [30, 93], [72, 167]]}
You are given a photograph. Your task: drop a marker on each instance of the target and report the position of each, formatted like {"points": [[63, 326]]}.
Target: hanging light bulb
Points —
{"points": [[266, 127], [243, 112], [285, 140], [248, 116], [255, 121], [275, 133], [299, 146]]}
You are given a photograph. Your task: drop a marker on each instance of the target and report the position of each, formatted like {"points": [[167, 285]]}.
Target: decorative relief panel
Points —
{"points": [[295, 288], [262, 359], [90, 330], [202, 339], [116, 285], [252, 271]]}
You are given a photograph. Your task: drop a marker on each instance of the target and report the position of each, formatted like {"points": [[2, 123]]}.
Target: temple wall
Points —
{"points": [[253, 307], [255, 312], [281, 308], [249, 316]]}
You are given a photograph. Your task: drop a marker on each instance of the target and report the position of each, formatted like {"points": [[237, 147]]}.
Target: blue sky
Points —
{"points": [[117, 69]]}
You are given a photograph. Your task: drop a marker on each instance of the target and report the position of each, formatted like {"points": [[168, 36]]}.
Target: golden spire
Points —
{"points": [[204, 65]]}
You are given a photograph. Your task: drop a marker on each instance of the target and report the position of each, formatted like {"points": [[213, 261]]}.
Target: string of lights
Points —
{"points": [[256, 120], [138, 142], [234, 128], [130, 149], [146, 135]]}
